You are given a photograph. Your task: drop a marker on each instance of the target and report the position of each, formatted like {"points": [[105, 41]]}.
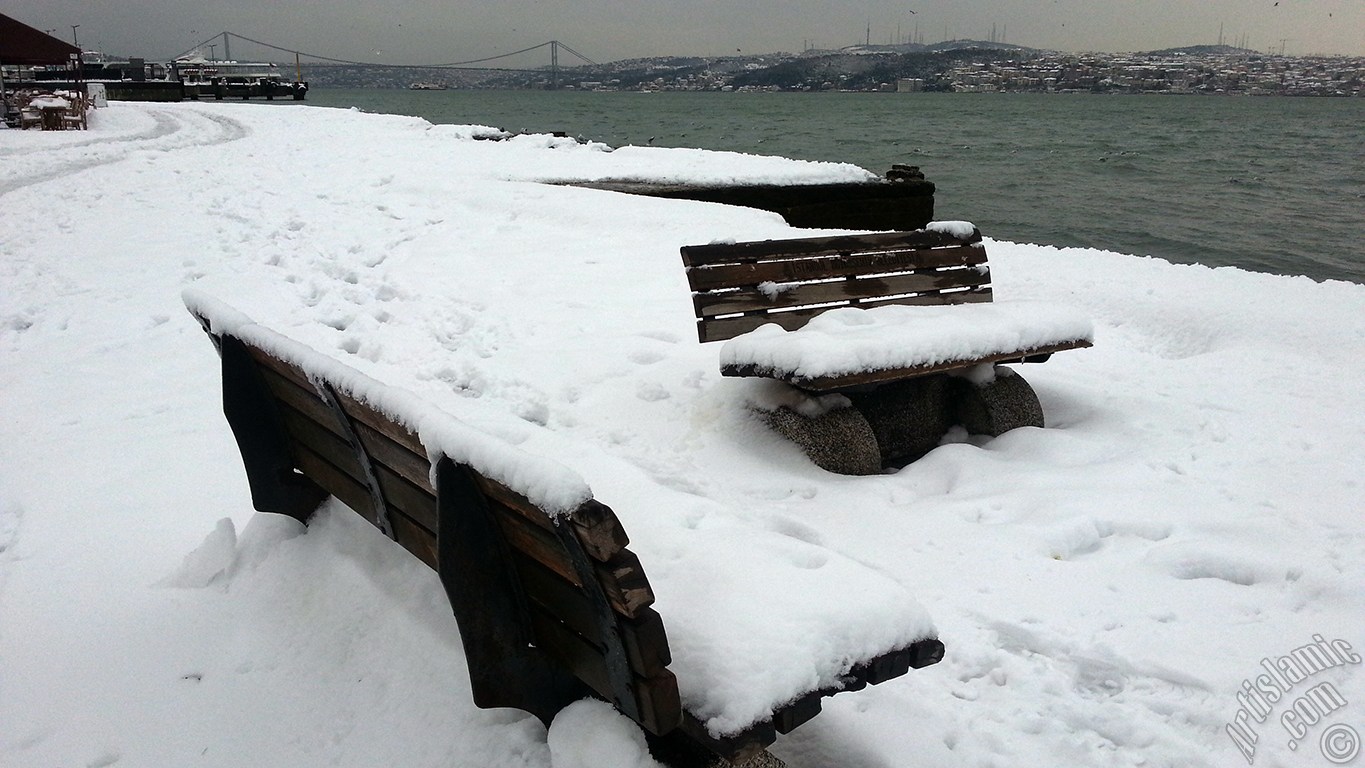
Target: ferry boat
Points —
{"points": [[426, 87], [192, 77], [234, 79]]}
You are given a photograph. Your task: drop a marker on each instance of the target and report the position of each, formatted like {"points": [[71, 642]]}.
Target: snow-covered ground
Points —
{"points": [[1191, 518]]}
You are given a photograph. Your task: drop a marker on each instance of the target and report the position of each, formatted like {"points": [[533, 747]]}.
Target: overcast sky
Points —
{"points": [[440, 31]]}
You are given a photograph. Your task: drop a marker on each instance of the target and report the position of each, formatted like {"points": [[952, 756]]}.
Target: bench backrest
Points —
{"points": [[737, 287]]}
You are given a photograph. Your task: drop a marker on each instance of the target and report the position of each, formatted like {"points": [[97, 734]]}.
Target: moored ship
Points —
{"points": [[203, 78]]}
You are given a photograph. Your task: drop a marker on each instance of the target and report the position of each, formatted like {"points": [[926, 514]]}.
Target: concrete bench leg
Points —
{"points": [[998, 406], [764, 759], [908, 417], [840, 440], [894, 424]]}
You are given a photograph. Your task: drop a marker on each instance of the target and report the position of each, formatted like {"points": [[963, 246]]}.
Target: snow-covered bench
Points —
{"points": [[551, 603], [902, 324]]}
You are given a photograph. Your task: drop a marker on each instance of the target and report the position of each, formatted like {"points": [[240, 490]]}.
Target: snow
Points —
{"points": [[1104, 586], [852, 339], [962, 230]]}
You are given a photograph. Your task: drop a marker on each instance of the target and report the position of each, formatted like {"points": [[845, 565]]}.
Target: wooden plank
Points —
{"points": [[823, 267], [852, 290], [786, 719], [646, 642], [861, 378], [276, 365], [357, 409], [736, 747], [341, 485], [656, 697], [534, 542], [304, 401], [515, 502], [623, 579], [397, 458], [979, 295], [721, 253], [367, 414], [407, 498], [722, 328], [558, 597], [414, 538], [598, 530], [305, 433], [643, 637]]}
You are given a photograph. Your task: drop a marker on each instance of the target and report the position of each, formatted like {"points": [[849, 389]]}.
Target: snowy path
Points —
{"points": [[1104, 586], [28, 162]]}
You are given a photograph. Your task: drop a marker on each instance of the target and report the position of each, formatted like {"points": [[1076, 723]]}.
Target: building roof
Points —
{"points": [[22, 44]]}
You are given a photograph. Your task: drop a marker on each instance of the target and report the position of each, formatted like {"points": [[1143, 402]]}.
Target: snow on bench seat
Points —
{"points": [[894, 341]]}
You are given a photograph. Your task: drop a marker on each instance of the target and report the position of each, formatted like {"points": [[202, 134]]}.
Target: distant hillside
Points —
{"points": [[946, 45], [1203, 50], [854, 69]]}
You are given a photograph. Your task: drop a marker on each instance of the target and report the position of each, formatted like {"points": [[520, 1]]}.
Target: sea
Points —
{"points": [[1270, 184]]}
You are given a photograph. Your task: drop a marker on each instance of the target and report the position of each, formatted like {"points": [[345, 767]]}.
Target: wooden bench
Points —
{"points": [[551, 603], [739, 288]]}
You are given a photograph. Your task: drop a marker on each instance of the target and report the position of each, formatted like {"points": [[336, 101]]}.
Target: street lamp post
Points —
{"points": [[74, 41]]}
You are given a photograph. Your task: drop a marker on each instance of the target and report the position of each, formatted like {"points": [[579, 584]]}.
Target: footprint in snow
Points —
{"points": [[652, 393], [664, 336], [645, 357]]}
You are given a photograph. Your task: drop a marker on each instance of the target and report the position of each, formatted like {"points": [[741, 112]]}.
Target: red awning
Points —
{"points": [[22, 44]]}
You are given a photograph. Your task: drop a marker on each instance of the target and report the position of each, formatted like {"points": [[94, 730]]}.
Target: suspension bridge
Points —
{"points": [[555, 47]]}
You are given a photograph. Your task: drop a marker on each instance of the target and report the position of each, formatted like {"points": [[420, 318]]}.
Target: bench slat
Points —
{"points": [[849, 290], [336, 482], [415, 539], [785, 270], [398, 459], [624, 581], [722, 253], [831, 383], [722, 328], [376, 421], [534, 542], [327, 446], [657, 696], [645, 642], [408, 528], [407, 498], [303, 401]]}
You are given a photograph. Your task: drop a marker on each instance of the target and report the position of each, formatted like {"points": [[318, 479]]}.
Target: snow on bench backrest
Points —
{"points": [[549, 485]]}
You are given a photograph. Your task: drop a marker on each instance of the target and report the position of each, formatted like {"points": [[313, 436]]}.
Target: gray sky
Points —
{"points": [[439, 31]]}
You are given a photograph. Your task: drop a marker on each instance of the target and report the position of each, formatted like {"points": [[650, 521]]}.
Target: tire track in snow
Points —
{"points": [[171, 130]]}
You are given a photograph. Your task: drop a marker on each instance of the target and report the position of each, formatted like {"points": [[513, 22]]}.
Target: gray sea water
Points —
{"points": [[1267, 184]]}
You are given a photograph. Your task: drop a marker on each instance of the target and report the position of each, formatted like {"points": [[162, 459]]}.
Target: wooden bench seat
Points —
{"points": [[551, 603], [791, 310]]}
